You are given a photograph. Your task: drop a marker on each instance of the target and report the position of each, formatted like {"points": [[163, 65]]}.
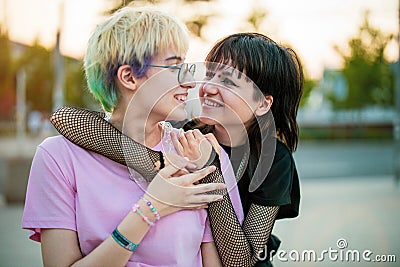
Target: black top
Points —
{"points": [[280, 188]]}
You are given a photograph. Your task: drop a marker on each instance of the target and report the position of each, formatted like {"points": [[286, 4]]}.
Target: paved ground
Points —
{"points": [[363, 211]]}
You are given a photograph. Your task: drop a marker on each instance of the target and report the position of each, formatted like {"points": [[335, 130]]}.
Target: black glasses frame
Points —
{"points": [[183, 68]]}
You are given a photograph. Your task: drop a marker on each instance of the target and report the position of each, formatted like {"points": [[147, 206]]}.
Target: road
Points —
{"points": [[344, 158]]}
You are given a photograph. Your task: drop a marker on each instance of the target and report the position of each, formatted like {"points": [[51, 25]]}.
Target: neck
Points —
{"points": [[137, 126], [231, 136]]}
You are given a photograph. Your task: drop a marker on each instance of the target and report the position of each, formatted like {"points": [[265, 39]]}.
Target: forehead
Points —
{"points": [[227, 70], [170, 54]]}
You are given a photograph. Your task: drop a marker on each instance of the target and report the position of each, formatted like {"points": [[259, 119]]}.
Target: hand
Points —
{"points": [[214, 142], [192, 145], [179, 162], [170, 194]]}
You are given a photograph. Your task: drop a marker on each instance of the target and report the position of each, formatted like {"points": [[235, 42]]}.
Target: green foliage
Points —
{"points": [[256, 17], [76, 93], [7, 91], [368, 73], [309, 85], [195, 24], [38, 64]]}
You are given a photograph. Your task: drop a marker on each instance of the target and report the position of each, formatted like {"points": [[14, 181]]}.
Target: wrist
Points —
{"points": [[145, 209], [162, 208]]}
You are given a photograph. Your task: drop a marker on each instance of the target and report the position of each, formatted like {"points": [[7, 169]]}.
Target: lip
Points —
{"points": [[181, 98], [211, 103]]}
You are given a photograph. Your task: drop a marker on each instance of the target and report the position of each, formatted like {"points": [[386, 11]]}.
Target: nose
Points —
{"points": [[208, 88], [189, 82]]}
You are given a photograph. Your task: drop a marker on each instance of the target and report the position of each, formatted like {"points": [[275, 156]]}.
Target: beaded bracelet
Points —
{"points": [[123, 241], [152, 208], [136, 209]]}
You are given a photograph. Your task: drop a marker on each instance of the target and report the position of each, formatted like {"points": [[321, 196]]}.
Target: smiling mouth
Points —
{"points": [[211, 103], [181, 98]]}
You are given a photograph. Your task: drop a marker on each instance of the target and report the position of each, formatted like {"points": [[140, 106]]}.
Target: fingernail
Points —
{"points": [[220, 198], [212, 168], [191, 166]]}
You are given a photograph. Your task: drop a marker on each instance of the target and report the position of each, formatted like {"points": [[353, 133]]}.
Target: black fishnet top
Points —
{"points": [[237, 245]]}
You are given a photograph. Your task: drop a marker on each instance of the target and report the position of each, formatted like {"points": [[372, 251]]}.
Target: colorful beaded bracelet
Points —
{"points": [[136, 209], [152, 208]]}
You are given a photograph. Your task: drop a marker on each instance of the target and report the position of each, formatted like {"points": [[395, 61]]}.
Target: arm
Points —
{"points": [[89, 130], [209, 255], [237, 245], [60, 247]]}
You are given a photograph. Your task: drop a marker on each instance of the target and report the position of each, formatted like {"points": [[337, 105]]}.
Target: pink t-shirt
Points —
{"points": [[73, 188]]}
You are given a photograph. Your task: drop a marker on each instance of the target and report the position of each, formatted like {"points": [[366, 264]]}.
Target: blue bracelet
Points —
{"points": [[123, 241]]}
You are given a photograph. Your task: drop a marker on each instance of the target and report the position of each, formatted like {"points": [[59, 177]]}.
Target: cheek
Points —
{"points": [[242, 109]]}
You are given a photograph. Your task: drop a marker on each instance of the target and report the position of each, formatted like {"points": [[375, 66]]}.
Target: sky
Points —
{"points": [[311, 27]]}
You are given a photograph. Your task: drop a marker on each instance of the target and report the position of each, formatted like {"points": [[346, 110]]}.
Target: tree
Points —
{"points": [[37, 62], [76, 92], [196, 22], [368, 73], [7, 82]]}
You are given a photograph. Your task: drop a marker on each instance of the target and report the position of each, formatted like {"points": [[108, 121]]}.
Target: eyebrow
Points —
{"points": [[173, 58], [229, 73]]}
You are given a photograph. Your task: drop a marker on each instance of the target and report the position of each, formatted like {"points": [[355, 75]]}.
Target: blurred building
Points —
{"points": [[319, 111]]}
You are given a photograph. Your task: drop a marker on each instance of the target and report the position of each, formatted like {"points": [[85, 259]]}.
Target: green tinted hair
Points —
{"points": [[131, 36]]}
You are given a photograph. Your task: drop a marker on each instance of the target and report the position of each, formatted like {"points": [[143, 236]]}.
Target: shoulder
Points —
{"points": [[64, 152], [282, 152], [59, 145]]}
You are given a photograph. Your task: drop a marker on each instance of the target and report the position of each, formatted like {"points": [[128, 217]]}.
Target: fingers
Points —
{"points": [[177, 168], [205, 199], [198, 175], [207, 188], [180, 172], [190, 137], [214, 142], [178, 161], [177, 144], [182, 138], [169, 170], [197, 134]]}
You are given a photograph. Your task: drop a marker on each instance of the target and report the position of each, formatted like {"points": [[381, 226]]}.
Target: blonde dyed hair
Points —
{"points": [[131, 36]]}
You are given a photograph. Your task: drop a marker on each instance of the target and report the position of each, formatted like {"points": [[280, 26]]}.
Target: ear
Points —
{"points": [[126, 77], [264, 105]]}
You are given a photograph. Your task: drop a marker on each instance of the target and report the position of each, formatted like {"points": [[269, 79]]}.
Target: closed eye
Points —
{"points": [[229, 82]]}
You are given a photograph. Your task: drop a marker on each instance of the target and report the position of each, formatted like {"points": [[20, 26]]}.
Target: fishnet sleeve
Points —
{"points": [[91, 131], [236, 245]]}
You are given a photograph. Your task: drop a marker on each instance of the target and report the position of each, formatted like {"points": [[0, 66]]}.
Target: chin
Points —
{"points": [[177, 115], [207, 120]]}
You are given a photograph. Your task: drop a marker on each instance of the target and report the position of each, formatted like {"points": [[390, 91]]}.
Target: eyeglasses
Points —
{"points": [[183, 68]]}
